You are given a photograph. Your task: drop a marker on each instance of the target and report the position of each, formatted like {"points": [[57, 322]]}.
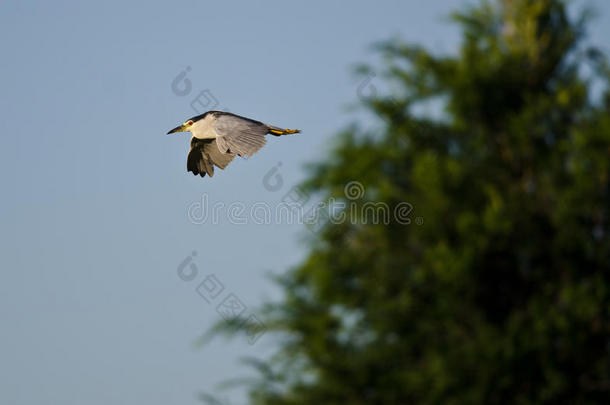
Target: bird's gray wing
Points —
{"points": [[204, 154], [239, 135]]}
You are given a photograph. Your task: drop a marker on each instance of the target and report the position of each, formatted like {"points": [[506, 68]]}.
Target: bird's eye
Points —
{"points": [[189, 123]]}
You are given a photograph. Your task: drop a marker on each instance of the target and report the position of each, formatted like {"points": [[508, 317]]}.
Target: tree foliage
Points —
{"points": [[502, 295]]}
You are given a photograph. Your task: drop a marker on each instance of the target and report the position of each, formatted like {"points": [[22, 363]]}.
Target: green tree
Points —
{"points": [[502, 295]]}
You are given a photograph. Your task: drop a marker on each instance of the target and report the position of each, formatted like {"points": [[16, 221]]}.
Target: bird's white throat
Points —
{"points": [[204, 128]]}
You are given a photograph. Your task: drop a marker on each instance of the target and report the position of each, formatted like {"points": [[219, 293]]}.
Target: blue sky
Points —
{"points": [[94, 209]]}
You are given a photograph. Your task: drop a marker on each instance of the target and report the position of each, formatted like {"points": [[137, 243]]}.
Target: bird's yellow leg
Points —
{"points": [[285, 132]]}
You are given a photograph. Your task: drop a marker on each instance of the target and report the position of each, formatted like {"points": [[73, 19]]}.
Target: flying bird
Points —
{"points": [[218, 136]]}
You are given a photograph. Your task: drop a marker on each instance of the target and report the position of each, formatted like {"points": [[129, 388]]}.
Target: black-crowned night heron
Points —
{"points": [[218, 136]]}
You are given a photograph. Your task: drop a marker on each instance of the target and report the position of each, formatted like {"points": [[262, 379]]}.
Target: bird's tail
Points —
{"points": [[277, 131]]}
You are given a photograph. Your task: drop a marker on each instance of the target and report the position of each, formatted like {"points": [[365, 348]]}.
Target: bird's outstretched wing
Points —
{"points": [[204, 154], [239, 135]]}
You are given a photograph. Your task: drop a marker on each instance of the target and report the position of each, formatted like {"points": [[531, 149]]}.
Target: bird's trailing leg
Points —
{"points": [[280, 131]]}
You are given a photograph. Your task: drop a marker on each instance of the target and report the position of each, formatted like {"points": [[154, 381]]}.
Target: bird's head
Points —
{"points": [[185, 127]]}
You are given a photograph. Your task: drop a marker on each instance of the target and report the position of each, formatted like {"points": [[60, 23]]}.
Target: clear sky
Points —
{"points": [[95, 195]]}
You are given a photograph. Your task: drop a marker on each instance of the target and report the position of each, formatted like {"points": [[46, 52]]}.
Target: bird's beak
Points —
{"points": [[179, 128]]}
